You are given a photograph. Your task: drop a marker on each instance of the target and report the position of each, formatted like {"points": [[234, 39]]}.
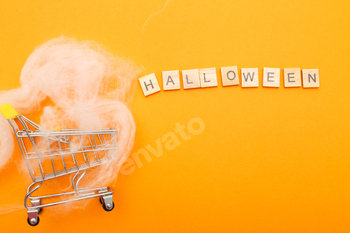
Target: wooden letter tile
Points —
{"points": [[208, 77], [292, 77], [171, 80], [311, 78], [149, 84], [191, 79], [229, 76], [250, 77], [271, 77]]}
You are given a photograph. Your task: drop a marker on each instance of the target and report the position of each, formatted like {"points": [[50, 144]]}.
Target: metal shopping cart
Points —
{"points": [[52, 154]]}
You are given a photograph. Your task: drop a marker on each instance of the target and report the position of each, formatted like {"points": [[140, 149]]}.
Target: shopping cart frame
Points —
{"points": [[27, 129]]}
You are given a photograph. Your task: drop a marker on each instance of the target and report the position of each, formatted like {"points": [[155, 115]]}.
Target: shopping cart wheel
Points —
{"points": [[108, 207], [33, 222], [107, 202]]}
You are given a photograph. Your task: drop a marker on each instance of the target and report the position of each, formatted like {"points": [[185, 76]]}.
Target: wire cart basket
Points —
{"points": [[57, 153]]}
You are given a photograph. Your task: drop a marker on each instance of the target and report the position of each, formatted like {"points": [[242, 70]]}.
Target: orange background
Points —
{"points": [[269, 159]]}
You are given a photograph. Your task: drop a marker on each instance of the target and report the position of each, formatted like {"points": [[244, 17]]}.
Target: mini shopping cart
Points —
{"points": [[52, 154]]}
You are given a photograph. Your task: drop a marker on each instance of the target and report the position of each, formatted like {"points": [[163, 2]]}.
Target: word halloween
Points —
{"points": [[201, 78]]}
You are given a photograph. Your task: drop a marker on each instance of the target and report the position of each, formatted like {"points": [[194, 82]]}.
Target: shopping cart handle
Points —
{"points": [[8, 112]]}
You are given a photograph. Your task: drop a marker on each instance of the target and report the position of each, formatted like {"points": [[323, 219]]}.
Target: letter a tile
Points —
{"points": [[171, 80]]}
